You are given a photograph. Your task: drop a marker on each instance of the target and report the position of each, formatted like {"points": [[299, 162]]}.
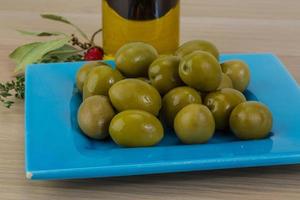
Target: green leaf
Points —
{"points": [[64, 20], [44, 33], [62, 54], [37, 52], [18, 54], [55, 18], [66, 49]]}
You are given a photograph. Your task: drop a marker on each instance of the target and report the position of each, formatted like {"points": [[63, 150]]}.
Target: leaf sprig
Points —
{"points": [[64, 48], [64, 20], [12, 88]]}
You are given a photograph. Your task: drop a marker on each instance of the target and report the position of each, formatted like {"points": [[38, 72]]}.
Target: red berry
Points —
{"points": [[94, 53]]}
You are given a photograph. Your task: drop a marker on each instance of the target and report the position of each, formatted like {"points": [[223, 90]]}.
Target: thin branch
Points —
{"points": [[94, 35]]}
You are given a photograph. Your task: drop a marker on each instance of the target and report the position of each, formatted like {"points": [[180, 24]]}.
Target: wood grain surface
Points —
{"points": [[234, 25]]}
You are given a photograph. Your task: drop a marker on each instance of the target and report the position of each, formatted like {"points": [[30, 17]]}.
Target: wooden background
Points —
{"points": [[233, 25]]}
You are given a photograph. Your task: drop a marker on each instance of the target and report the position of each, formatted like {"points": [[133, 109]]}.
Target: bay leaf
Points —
{"points": [[18, 54], [56, 18], [66, 49], [64, 20], [38, 51], [43, 33], [62, 54]]}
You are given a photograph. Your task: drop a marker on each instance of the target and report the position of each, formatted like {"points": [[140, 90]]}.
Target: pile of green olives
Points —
{"points": [[190, 91]]}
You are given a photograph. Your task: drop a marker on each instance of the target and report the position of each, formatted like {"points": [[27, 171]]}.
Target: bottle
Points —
{"points": [[152, 21]]}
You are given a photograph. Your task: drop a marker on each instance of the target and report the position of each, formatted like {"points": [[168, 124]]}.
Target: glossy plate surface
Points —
{"points": [[56, 149]]}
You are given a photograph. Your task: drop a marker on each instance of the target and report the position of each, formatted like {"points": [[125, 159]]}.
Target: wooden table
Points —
{"points": [[234, 25]]}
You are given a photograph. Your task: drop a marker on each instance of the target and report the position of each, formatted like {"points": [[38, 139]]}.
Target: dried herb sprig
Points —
{"points": [[14, 88]]}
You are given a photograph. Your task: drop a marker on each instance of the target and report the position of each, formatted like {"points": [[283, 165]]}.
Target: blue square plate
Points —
{"points": [[55, 148]]}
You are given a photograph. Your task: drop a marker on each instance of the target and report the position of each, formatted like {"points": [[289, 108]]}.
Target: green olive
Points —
{"points": [[84, 71], [99, 80], [194, 124], [94, 116], [163, 73], [238, 71], [200, 70], [251, 120], [134, 59], [144, 79], [225, 82], [221, 104], [195, 45], [234, 95], [178, 98], [136, 128], [132, 93]]}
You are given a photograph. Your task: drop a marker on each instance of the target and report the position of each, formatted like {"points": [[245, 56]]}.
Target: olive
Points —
{"points": [[201, 71], [144, 79], [194, 124], [132, 93], [136, 128], [134, 59], [195, 45], [84, 71], [234, 94], [251, 120], [163, 73], [225, 82], [239, 73], [99, 80], [221, 104], [176, 99], [94, 116]]}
